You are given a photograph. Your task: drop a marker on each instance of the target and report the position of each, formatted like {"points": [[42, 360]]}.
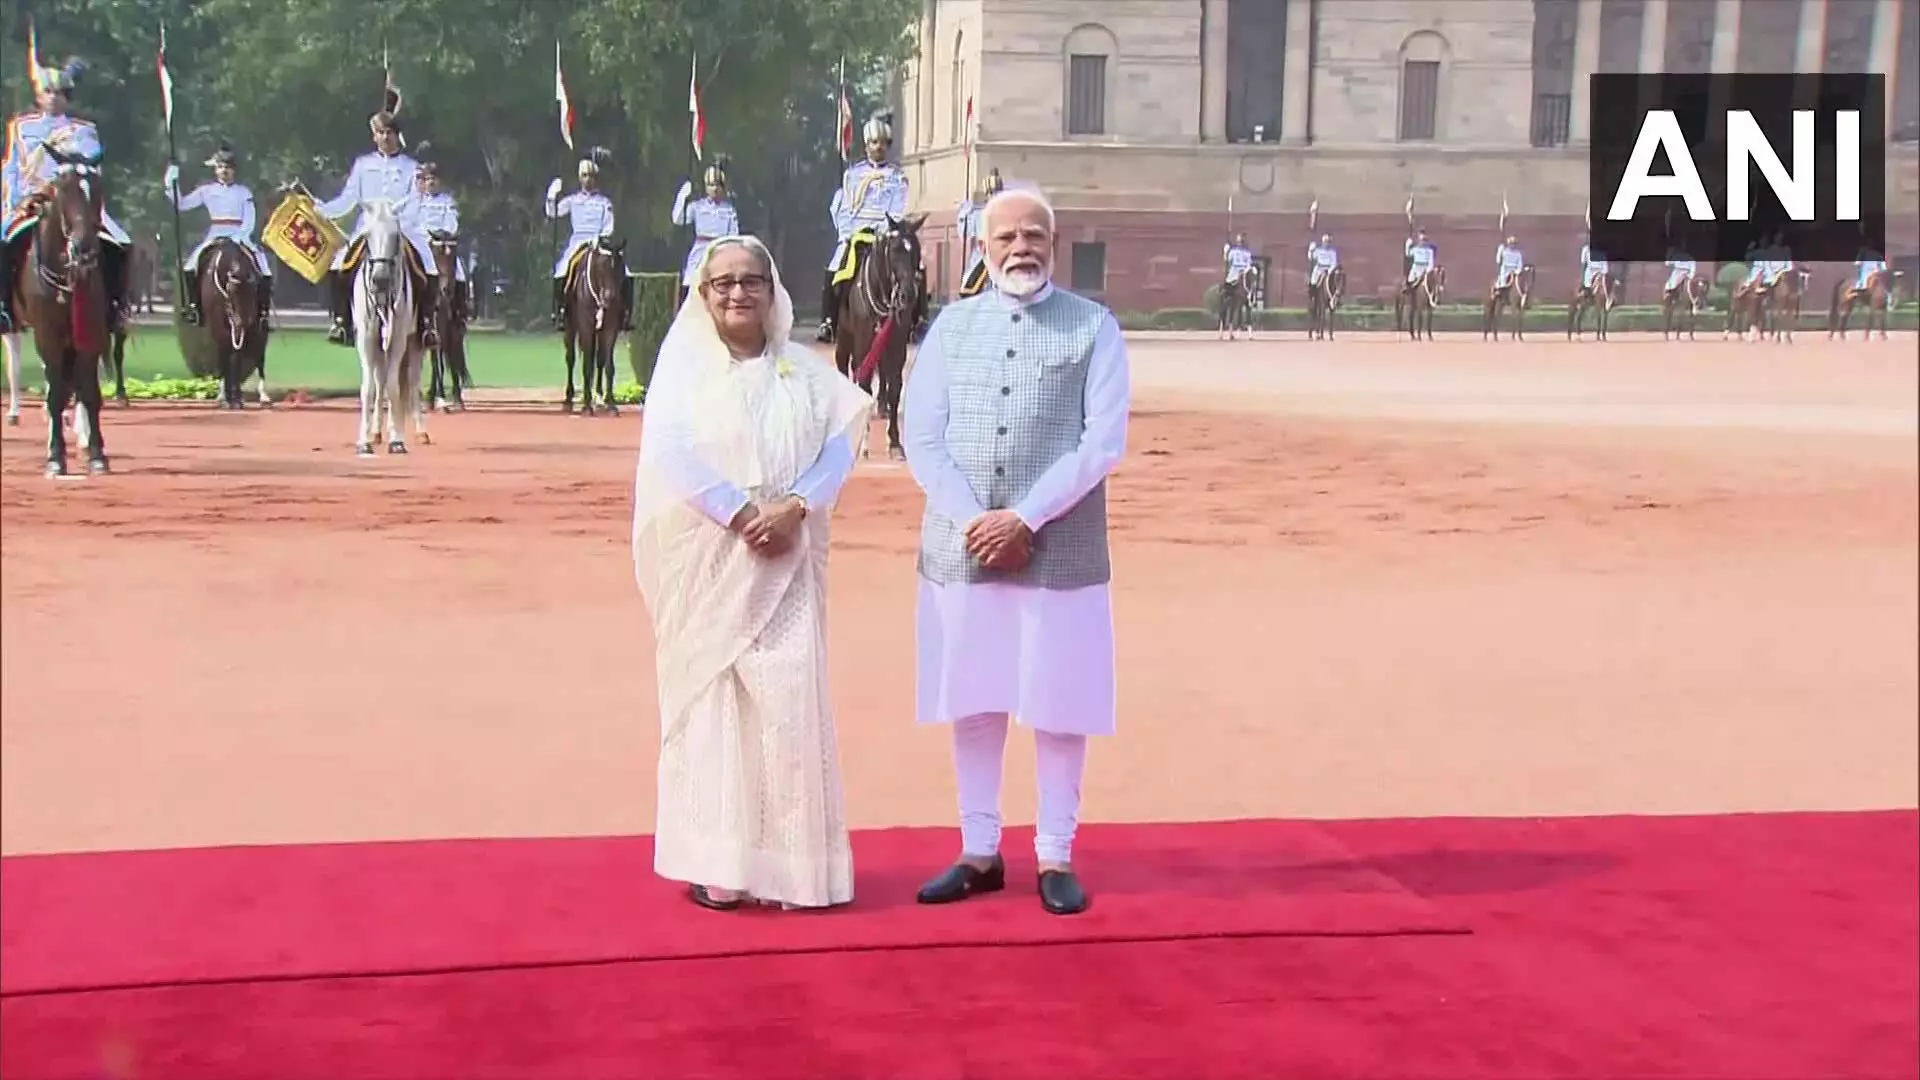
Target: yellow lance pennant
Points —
{"points": [[303, 237]]}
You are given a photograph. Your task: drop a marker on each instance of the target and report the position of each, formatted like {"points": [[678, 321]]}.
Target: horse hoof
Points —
{"points": [[56, 468], [13, 419], [364, 449], [425, 440], [396, 447], [613, 411], [895, 453], [98, 466]]}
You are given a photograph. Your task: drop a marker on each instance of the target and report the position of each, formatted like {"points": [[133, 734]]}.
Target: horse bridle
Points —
{"points": [[594, 292], [75, 253], [897, 298]]}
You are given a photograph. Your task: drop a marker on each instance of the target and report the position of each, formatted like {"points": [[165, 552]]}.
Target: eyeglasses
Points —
{"points": [[750, 283]]}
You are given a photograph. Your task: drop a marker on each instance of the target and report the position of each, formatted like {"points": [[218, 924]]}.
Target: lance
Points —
{"points": [[173, 158], [1503, 215]]}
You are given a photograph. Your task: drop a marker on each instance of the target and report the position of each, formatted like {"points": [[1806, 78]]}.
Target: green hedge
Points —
{"points": [[1459, 319], [656, 300]]}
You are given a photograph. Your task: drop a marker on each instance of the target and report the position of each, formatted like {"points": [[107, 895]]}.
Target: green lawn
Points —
{"points": [[303, 359]]}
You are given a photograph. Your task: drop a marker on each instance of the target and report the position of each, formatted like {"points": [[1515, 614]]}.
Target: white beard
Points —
{"points": [[1019, 284]]}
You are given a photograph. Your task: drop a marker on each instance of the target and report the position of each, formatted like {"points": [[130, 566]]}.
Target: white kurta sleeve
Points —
{"points": [[1103, 441], [924, 409], [192, 200]]}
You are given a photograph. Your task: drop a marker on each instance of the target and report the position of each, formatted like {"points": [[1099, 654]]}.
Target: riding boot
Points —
{"points": [[559, 303], [266, 302], [190, 312], [423, 317], [340, 292], [626, 303], [828, 294], [462, 302], [113, 273]]}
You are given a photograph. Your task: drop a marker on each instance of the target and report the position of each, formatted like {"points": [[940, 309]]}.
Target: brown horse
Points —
{"points": [[450, 327], [1600, 298], [1323, 302], [230, 311], [1415, 303], [1773, 309], [887, 291], [61, 294], [1514, 296], [1876, 294], [596, 307], [1680, 307]]}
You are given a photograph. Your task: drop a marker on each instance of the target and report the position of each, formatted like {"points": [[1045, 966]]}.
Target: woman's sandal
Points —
{"points": [[707, 900]]}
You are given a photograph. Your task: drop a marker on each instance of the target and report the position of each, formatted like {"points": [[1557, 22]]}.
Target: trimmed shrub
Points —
{"points": [[656, 300]]}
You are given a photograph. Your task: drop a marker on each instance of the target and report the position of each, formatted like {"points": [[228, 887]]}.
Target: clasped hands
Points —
{"points": [[1000, 540], [768, 529]]}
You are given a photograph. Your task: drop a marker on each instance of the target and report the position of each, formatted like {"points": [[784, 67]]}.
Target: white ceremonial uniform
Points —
{"points": [[1424, 257], [711, 219], [26, 166], [1239, 259], [375, 177], [970, 217], [1324, 257], [988, 650], [1508, 261], [230, 214], [1679, 269], [438, 213], [590, 216], [1865, 267], [868, 194], [1593, 266]]}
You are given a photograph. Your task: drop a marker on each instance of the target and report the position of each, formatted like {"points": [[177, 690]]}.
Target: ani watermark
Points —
{"points": [[1717, 166]]}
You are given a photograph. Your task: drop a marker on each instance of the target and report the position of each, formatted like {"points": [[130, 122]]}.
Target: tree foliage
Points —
{"points": [[291, 82]]}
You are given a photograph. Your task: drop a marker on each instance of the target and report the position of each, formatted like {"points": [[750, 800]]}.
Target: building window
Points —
{"points": [[957, 92], [1552, 119], [1086, 95], [1419, 99], [1090, 267]]}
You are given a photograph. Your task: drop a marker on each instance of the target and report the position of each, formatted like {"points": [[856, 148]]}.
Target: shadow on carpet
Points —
{"points": [[121, 920]]}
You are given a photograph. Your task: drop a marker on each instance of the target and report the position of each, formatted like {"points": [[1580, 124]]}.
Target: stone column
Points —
{"points": [[1726, 36], [1586, 60], [1653, 50], [1810, 55], [1296, 95], [1213, 68], [1883, 58]]}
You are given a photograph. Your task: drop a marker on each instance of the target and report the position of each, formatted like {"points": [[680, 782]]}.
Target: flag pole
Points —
{"points": [[173, 158]]}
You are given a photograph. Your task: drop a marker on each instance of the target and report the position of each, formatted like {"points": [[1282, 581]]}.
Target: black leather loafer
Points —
{"points": [[959, 881], [707, 900], [1061, 894]]}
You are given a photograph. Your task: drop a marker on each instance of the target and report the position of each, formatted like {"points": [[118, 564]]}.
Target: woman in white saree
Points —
{"points": [[745, 444]]}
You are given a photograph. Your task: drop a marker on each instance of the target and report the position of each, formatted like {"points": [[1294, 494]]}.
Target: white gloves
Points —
{"points": [[172, 181], [686, 188], [553, 190]]}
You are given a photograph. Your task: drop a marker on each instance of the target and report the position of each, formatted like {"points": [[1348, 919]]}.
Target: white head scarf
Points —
{"points": [[756, 424]]}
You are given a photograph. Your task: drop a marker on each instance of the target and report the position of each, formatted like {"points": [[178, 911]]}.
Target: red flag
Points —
{"points": [[693, 107], [166, 80], [846, 116], [560, 98]]}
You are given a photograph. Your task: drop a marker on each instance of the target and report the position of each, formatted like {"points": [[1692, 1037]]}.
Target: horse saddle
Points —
{"points": [[857, 247], [357, 251], [579, 258]]}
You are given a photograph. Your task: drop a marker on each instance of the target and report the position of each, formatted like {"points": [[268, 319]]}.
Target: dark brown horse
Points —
{"points": [[61, 294], [1772, 309], [1680, 307], [450, 326], [1415, 303], [595, 310], [881, 306], [1876, 295], [1514, 296], [230, 308], [1600, 299], [1323, 302]]}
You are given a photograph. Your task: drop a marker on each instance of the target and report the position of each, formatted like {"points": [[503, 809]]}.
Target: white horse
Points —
{"points": [[384, 333]]}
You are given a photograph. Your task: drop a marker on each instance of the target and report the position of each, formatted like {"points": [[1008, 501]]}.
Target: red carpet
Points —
{"points": [[155, 918], [1738, 947]]}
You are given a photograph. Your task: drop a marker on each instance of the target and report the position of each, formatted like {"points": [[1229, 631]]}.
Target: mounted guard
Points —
{"points": [[36, 144], [438, 215], [710, 217], [384, 175], [970, 218], [872, 192], [1422, 257], [589, 214], [231, 216], [1508, 261], [1322, 259]]}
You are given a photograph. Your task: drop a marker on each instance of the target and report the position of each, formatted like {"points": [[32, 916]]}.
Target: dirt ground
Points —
{"points": [[1366, 579]]}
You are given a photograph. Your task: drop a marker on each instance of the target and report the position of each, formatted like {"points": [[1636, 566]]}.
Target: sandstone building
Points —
{"points": [[1161, 126]]}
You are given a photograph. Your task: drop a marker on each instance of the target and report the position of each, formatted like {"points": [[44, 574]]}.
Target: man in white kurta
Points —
{"points": [[1014, 413]]}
